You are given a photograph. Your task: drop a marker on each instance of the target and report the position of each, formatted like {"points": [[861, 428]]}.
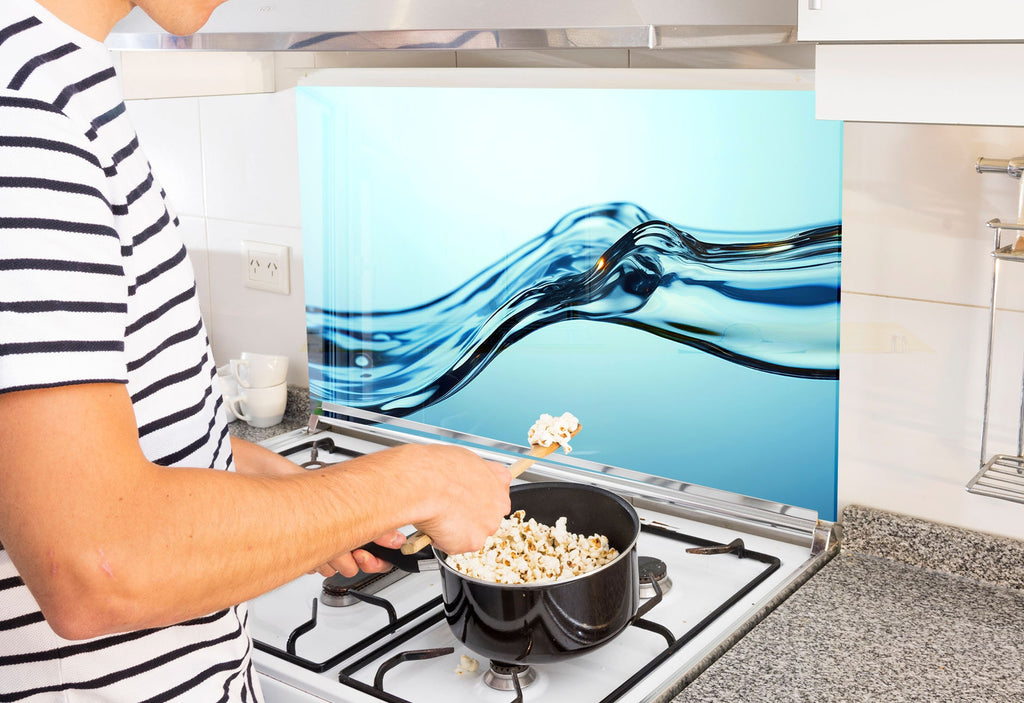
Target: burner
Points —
{"points": [[500, 676], [653, 567], [337, 589]]}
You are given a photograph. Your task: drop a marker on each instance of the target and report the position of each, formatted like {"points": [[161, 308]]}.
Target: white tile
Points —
{"points": [[250, 158], [193, 233], [914, 211], [168, 131], [168, 74], [245, 319], [910, 409]]}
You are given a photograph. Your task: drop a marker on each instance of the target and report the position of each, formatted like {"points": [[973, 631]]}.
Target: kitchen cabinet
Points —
{"points": [[923, 20], [926, 62]]}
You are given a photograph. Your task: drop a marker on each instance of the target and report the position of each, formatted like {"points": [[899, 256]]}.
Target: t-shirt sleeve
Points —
{"points": [[63, 289]]}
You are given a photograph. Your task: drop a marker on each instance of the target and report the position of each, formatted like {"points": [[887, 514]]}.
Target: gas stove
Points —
{"points": [[713, 564]]}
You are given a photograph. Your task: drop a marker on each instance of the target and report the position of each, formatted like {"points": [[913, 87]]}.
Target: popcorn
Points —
{"points": [[550, 430], [525, 551]]}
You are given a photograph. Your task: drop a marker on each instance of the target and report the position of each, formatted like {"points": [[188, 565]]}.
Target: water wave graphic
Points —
{"points": [[764, 300]]}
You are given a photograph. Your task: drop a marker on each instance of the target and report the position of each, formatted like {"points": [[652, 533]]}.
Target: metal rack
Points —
{"points": [[1001, 475]]}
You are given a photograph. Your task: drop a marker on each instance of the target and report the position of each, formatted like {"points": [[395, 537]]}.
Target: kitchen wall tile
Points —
{"points": [[910, 408], [168, 74], [771, 56], [193, 233], [291, 68], [245, 319], [914, 211], [168, 131], [250, 158]]}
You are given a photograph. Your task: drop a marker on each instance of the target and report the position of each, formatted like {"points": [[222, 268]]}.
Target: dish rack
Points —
{"points": [[1001, 475]]}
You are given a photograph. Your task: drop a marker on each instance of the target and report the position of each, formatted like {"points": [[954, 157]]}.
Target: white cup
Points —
{"points": [[260, 407], [259, 370], [228, 388]]}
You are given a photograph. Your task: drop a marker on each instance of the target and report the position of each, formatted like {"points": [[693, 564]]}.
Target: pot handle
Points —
{"points": [[423, 560]]}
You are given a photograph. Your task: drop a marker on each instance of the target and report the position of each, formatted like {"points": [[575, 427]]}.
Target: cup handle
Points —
{"points": [[240, 370], [235, 404]]}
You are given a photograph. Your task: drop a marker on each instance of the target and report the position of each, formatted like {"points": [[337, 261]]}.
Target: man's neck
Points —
{"points": [[94, 18]]}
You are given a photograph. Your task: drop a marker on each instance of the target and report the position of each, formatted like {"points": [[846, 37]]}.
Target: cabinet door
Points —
{"points": [[910, 20]]}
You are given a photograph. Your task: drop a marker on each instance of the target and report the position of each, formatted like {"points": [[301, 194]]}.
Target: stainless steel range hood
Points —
{"points": [[369, 25]]}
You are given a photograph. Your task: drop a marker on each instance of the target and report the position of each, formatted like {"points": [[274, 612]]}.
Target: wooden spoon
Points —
{"points": [[418, 540]]}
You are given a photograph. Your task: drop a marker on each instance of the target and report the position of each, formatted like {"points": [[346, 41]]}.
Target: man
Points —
{"points": [[124, 556]]}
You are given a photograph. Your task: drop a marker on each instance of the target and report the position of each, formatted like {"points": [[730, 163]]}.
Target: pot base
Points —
{"points": [[501, 676]]}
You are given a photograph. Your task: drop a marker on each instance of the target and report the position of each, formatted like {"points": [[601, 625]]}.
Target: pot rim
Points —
{"points": [[441, 556]]}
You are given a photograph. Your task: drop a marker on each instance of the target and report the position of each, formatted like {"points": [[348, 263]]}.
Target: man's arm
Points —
{"points": [[107, 541], [251, 458]]}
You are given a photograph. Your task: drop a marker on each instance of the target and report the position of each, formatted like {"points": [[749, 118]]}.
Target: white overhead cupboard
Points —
{"points": [[933, 61]]}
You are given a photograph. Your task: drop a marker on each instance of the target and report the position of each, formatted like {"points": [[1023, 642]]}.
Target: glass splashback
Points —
{"points": [[664, 264]]}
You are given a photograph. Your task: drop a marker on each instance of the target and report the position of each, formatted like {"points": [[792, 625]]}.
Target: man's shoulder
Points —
{"points": [[30, 126]]}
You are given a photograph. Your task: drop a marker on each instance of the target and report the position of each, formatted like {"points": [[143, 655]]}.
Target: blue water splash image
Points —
{"points": [[763, 300]]}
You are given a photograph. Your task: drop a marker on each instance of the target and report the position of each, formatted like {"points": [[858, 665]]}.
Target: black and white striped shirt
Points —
{"points": [[95, 286]]}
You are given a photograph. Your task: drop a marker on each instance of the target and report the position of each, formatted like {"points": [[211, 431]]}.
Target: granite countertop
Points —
{"points": [[909, 610], [296, 415]]}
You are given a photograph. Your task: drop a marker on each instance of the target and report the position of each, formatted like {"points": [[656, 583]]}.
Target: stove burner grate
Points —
{"points": [[388, 639]]}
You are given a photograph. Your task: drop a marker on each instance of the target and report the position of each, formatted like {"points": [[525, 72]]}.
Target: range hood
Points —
{"points": [[369, 25]]}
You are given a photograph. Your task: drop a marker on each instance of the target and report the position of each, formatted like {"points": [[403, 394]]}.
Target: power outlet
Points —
{"points": [[265, 267]]}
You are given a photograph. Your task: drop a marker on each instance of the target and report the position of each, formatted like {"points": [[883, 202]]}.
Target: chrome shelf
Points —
{"points": [[1001, 475]]}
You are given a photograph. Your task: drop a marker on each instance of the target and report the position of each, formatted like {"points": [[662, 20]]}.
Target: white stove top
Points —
{"points": [[639, 664]]}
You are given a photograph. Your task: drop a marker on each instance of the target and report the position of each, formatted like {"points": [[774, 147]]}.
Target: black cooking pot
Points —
{"points": [[543, 622]]}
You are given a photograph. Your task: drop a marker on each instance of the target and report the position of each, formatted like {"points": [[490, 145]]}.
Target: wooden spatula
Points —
{"points": [[418, 540]]}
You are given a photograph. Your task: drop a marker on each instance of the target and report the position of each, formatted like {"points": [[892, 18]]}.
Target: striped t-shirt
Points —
{"points": [[95, 286]]}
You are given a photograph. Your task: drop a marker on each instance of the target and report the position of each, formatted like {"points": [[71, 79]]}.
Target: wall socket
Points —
{"points": [[265, 267]]}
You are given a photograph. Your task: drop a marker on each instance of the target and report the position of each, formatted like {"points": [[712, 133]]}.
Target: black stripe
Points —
{"points": [[153, 229], [195, 681], [175, 338], [82, 85], [155, 314], [125, 151], [104, 119], [161, 268], [28, 103], [62, 346], [151, 665], [220, 441], [60, 384], [12, 582], [25, 71], [60, 265], [51, 145], [51, 184], [33, 306], [58, 225], [166, 381], [177, 416], [134, 195], [8, 32], [21, 621], [99, 644]]}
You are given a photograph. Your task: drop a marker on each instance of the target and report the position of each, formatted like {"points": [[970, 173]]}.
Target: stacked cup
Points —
{"points": [[260, 391]]}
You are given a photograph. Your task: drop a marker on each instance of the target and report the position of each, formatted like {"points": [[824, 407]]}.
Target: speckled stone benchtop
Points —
{"points": [[296, 414], [908, 611]]}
